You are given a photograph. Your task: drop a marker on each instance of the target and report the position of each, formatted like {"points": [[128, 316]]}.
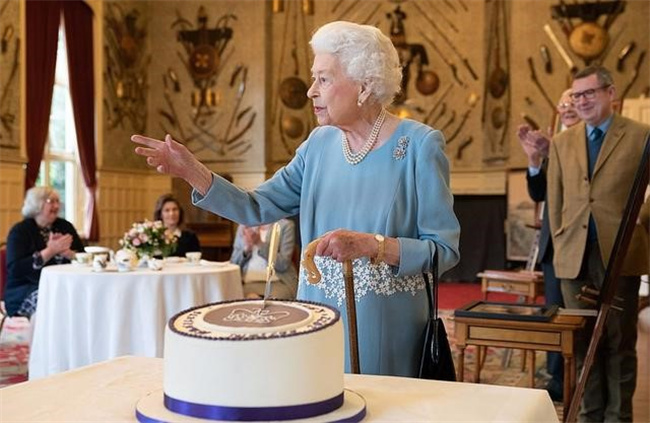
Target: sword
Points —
{"points": [[560, 49]]}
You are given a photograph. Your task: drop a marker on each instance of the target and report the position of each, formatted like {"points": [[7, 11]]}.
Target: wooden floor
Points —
{"points": [[642, 393]]}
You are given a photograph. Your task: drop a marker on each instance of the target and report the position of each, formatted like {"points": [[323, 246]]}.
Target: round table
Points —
{"points": [[85, 317]]}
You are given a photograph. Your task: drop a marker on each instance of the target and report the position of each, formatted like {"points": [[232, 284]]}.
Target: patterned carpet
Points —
{"points": [[14, 351]]}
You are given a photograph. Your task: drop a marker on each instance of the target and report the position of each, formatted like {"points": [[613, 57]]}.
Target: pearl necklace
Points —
{"points": [[356, 158]]}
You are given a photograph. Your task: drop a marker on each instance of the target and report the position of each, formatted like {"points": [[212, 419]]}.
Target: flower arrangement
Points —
{"points": [[149, 239]]}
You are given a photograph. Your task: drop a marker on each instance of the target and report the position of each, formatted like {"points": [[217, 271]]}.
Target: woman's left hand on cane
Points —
{"points": [[343, 245]]}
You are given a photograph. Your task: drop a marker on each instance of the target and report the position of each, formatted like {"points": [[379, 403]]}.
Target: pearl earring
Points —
{"points": [[359, 102]]}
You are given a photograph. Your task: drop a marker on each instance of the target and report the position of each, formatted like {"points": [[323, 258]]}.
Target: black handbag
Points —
{"points": [[437, 361]]}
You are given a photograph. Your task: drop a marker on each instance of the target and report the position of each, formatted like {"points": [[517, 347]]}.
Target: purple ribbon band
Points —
{"points": [[215, 412]]}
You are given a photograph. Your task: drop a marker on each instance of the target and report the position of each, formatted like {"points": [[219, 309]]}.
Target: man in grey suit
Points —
{"points": [[536, 144], [591, 170]]}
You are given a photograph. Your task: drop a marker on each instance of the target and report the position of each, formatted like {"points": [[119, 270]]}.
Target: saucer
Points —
{"points": [[213, 263], [174, 260], [94, 249], [104, 270]]}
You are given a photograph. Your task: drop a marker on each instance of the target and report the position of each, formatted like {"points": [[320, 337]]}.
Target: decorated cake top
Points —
{"points": [[249, 320]]}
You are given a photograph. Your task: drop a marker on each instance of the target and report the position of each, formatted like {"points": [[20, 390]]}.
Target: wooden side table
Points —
{"points": [[529, 284], [555, 335]]}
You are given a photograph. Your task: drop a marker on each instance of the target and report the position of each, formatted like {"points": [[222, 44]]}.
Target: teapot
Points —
{"points": [[126, 260]]}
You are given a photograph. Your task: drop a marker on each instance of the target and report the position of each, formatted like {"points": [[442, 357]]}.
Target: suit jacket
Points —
{"points": [[537, 191], [284, 268], [25, 239], [572, 197]]}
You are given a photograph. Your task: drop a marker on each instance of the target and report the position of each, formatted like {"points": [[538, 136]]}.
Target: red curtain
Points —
{"points": [[78, 20], [41, 33]]}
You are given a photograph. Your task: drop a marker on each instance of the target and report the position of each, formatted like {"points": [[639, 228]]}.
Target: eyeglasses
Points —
{"points": [[587, 94], [53, 201], [564, 106]]}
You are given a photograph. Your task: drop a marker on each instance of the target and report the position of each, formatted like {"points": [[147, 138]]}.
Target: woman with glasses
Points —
{"points": [[41, 239]]}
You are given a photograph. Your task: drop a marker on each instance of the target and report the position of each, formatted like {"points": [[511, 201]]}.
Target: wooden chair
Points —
{"points": [[526, 283]]}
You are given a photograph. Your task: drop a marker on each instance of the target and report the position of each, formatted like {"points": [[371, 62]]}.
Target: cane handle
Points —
{"points": [[313, 275]]}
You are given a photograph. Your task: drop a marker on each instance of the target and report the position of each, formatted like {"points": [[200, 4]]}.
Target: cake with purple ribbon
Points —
{"points": [[240, 361]]}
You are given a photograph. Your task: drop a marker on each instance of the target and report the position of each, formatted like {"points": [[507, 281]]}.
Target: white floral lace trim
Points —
{"points": [[367, 278]]}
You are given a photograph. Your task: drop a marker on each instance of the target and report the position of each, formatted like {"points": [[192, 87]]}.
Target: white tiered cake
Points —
{"points": [[236, 360]]}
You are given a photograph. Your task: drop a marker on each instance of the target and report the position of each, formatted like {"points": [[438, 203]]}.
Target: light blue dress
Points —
{"points": [[400, 190]]}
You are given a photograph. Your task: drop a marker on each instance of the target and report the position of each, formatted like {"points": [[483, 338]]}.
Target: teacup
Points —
{"points": [[100, 261], [193, 257], [154, 264], [83, 258]]}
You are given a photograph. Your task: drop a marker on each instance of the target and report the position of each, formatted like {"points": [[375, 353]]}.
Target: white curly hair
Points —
{"points": [[34, 200], [366, 55]]}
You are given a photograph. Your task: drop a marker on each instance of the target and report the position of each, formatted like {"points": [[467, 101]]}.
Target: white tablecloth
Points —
{"points": [[109, 391], [84, 317]]}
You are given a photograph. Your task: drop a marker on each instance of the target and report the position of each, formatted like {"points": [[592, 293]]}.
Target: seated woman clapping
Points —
{"points": [[41, 239], [251, 252]]}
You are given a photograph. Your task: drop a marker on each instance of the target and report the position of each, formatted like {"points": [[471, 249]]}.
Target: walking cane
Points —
{"points": [[314, 277]]}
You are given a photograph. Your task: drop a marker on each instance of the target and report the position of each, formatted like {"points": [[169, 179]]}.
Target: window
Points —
{"points": [[60, 166]]}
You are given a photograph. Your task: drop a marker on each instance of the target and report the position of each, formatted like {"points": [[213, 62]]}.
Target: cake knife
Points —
{"points": [[273, 253]]}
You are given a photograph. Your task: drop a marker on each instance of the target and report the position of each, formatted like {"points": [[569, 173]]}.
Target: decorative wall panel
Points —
{"points": [[12, 178], [536, 25], [125, 198], [126, 79], [441, 45], [208, 80], [10, 75]]}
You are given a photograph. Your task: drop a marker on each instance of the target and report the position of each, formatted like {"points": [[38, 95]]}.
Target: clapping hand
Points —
{"points": [[251, 237], [535, 144], [58, 244]]}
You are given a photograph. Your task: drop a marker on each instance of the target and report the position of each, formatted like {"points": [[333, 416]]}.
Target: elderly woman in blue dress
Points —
{"points": [[373, 187]]}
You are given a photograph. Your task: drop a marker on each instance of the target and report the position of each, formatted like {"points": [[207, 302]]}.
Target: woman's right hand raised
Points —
{"points": [[173, 158]]}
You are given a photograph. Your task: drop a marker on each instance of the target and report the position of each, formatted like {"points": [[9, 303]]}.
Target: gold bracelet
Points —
{"points": [[381, 249]]}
